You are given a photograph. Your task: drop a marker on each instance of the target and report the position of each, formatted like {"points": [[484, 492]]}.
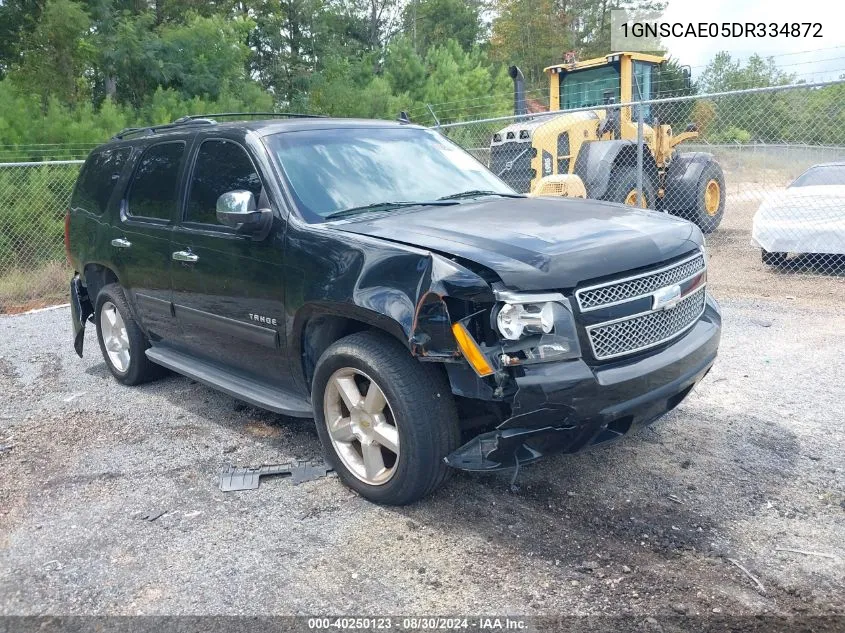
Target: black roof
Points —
{"points": [[262, 126], [272, 126]]}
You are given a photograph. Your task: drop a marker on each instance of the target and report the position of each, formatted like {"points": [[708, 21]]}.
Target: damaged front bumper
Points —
{"points": [[80, 311], [568, 406]]}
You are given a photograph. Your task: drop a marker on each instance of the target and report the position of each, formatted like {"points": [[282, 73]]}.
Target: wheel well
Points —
{"points": [[627, 157], [96, 277], [321, 330], [318, 333]]}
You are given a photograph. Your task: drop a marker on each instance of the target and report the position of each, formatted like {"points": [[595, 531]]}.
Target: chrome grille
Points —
{"points": [[614, 292], [639, 332]]}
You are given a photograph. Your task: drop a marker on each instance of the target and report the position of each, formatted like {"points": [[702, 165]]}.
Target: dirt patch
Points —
{"points": [[261, 429]]}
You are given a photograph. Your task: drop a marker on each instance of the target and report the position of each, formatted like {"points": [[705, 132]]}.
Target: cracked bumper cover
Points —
{"points": [[567, 406]]}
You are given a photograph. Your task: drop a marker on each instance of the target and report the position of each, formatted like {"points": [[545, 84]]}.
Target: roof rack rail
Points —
{"points": [[207, 119], [232, 115], [152, 129]]}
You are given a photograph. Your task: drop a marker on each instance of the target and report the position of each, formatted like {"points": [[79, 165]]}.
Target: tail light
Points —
{"points": [[67, 236]]}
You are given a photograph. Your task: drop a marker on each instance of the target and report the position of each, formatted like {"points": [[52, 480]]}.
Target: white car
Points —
{"points": [[807, 217]]}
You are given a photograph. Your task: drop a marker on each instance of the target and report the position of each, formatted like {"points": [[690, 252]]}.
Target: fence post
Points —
{"points": [[640, 154]]}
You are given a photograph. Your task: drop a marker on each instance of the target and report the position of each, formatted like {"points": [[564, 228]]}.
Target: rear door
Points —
{"points": [[95, 195], [141, 236], [227, 287]]}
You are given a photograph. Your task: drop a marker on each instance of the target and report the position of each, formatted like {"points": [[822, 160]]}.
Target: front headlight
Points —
{"points": [[514, 319], [536, 327]]}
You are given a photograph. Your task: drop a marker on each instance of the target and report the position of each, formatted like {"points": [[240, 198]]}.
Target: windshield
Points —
{"points": [[589, 87], [332, 170], [823, 175]]}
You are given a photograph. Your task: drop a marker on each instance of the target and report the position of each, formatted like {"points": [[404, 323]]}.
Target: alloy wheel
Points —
{"points": [[115, 337], [361, 426]]}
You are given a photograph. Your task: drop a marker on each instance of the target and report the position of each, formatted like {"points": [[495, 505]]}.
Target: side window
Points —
{"points": [[642, 89], [154, 188], [221, 166], [98, 178]]}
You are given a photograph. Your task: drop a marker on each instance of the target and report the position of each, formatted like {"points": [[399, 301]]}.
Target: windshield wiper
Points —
{"points": [[474, 193], [385, 206]]}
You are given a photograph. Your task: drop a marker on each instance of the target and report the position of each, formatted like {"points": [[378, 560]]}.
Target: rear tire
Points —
{"points": [[773, 259], [709, 204], [121, 340], [415, 411], [623, 188]]}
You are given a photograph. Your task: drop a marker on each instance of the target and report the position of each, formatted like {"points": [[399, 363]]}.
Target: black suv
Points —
{"points": [[375, 277]]}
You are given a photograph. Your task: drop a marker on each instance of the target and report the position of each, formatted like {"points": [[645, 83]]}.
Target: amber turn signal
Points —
{"points": [[471, 351]]}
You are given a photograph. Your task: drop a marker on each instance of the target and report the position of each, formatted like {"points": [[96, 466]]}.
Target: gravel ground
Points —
{"points": [[109, 501]]}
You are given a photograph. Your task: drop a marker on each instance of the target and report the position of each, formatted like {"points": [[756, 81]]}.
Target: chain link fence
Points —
{"points": [[761, 171], [33, 199]]}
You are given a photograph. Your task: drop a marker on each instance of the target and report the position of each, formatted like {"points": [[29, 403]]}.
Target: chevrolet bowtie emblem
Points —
{"points": [[666, 298]]}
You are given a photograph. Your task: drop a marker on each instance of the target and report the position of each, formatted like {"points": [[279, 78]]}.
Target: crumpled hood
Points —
{"points": [[539, 243]]}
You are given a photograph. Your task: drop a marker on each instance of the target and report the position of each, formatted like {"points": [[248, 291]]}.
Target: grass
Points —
{"points": [[26, 289]]}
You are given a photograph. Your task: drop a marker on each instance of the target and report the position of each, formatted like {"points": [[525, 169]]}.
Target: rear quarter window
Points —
{"points": [[98, 178]]}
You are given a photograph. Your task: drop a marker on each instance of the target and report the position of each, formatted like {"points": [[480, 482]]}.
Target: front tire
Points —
{"points": [[385, 420], [623, 189], [772, 259], [121, 340]]}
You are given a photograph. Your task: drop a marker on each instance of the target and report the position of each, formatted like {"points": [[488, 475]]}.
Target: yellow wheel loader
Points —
{"points": [[593, 153]]}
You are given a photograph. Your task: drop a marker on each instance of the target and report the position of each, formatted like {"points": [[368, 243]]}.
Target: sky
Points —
{"points": [[812, 59]]}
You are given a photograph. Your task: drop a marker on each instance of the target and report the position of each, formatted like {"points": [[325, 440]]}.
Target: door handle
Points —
{"points": [[119, 242], [185, 256]]}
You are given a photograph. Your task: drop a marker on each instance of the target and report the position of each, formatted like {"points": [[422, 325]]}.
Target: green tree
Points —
{"points": [[203, 55], [56, 54], [431, 22], [537, 33], [347, 88], [744, 117], [405, 69], [465, 84], [590, 21], [532, 34], [18, 19], [200, 57], [724, 73]]}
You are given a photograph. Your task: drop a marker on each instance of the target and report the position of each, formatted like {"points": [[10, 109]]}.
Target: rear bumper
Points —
{"points": [[567, 406]]}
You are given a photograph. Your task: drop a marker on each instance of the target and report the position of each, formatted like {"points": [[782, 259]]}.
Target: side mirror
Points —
{"points": [[238, 210]]}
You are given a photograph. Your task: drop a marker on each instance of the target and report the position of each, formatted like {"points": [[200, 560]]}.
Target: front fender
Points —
{"points": [[595, 163], [398, 289]]}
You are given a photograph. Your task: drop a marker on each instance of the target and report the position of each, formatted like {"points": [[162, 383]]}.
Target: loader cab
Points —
{"points": [[614, 78], [588, 147]]}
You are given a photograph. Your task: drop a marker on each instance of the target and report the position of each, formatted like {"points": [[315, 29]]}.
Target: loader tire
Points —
{"points": [[708, 208], [623, 188]]}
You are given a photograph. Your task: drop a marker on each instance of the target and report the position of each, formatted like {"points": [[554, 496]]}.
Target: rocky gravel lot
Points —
{"points": [[109, 499]]}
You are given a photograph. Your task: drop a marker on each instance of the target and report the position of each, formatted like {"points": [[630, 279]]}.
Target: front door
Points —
{"points": [[140, 239], [227, 287]]}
